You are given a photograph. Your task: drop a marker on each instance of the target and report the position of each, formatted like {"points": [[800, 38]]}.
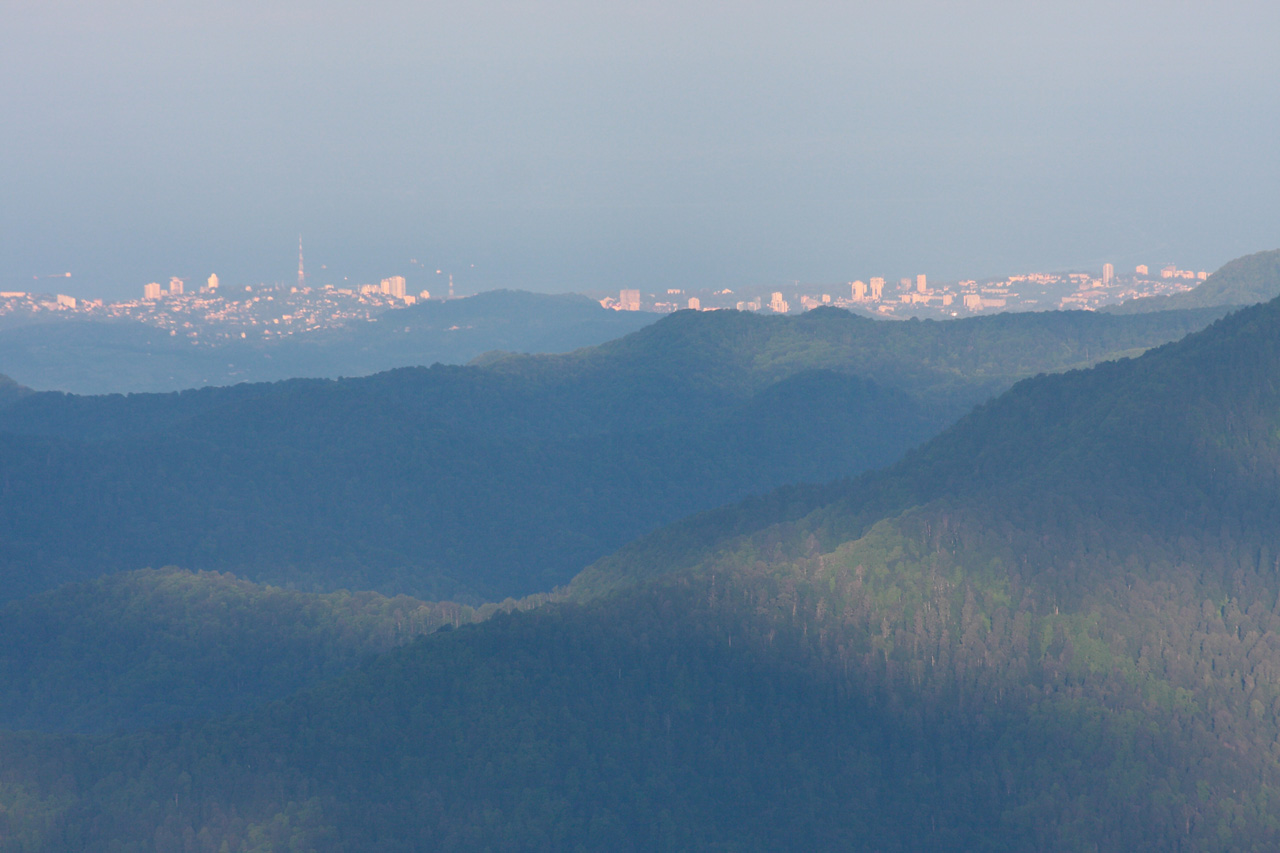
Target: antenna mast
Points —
{"points": [[302, 277]]}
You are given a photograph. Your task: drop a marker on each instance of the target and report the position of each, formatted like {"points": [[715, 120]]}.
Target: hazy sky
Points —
{"points": [[567, 145]]}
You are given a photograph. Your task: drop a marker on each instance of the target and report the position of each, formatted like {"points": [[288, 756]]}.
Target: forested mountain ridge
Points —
{"points": [[1055, 626], [952, 364], [726, 354], [1244, 281], [1109, 536], [483, 482], [352, 485], [1180, 439], [670, 720], [136, 649]]}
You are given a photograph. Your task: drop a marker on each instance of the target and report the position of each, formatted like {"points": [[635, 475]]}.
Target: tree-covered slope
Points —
{"points": [[725, 714], [950, 364], [1180, 441], [1244, 281], [506, 479], [140, 648], [372, 487], [1107, 540], [1056, 626]]}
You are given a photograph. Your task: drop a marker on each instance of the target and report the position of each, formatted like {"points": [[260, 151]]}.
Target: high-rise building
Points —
{"points": [[695, 304], [877, 288], [1108, 273], [175, 286], [859, 291], [922, 284], [629, 300], [394, 286], [151, 291], [778, 304], [1141, 270], [213, 281]]}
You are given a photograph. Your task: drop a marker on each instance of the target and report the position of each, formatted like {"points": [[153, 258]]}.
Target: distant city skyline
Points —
{"points": [[211, 313], [442, 282], [570, 146]]}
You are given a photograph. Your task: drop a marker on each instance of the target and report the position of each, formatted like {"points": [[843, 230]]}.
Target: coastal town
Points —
{"points": [[919, 297], [210, 311]]}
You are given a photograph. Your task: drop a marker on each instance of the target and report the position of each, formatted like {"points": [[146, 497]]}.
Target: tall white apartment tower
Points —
{"points": [[394, 286], [1108, 273]]}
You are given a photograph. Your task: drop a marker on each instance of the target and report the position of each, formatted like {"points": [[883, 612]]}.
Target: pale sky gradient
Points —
{"points": [[574, 145]]}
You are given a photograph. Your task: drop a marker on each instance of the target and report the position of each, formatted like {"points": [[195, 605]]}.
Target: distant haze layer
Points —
{"points": [[569, 146]]}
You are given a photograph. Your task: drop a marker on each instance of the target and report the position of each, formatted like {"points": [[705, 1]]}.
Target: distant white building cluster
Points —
{"points": [[628, 300], [265, 310], [176, 288], [18, 300], [918, 296], [1172, 271], [394, 286], [261, 311]]}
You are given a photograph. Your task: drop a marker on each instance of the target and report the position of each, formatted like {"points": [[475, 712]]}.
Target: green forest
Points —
{"points": [[1054, 625], [506, 478], [136, 649]]}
